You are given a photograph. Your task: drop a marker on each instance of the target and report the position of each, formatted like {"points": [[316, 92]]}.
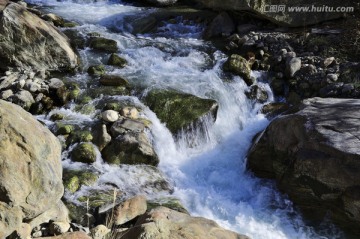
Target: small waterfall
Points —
{"points": [[206, 165]]}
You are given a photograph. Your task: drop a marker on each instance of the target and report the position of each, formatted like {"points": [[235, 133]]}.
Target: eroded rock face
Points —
{"points": [[164, 223], [294, 19], [27, 40], [314, 154], [30, 168]]}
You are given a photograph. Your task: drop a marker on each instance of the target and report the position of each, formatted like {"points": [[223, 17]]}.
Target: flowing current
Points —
{"points": [[209, 178]]}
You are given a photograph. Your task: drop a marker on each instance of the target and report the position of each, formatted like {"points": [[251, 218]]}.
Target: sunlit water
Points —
{"points": [[211, 178]]}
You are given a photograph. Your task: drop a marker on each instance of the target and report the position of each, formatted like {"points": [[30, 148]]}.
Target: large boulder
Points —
{"points": [[27, 40], [30, 168], [314, 154], [179, 110], [270, 10], [164, 223]]}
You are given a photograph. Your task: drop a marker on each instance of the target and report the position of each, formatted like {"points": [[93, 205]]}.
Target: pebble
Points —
{"points": [[110, 115]]}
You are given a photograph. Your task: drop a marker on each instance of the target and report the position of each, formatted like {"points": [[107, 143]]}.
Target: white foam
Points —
{"points": [[210, 177]]}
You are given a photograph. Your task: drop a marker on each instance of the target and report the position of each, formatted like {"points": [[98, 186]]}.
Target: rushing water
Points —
{"points": [[210, 178]]}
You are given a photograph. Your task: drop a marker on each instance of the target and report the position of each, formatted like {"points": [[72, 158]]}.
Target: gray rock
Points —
{"points": [[24, 99], [329, 61], [127, 124], [101, 136], [222, 25], [332, 77], [110, 115], [32, 87], [314, 155], [292, 66], [45, 48], [31, 170], [130, 148], [55, 83], [164, 223], [6, 82], [6, 94]]}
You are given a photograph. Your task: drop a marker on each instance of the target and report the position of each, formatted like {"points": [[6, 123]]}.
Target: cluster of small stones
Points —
{"points": [[296, 72], [32, 90]]}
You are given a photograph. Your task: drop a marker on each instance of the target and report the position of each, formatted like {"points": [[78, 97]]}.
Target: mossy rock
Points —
{"points": [[179, 110], [70, 24], [117, 106], [84, 99], [64, 129], [74, 91], [239, 66], [109, 90], [116, 60], [74, 179], [84, 153], [79, 214], [96, 70], [79, 136], [170, 202], [77, 40], [113, 80], [98, 198], [104, 44], [57, 116]]}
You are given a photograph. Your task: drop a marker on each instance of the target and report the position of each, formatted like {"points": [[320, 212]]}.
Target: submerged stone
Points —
{"points": [[113, 80], [116, 60], [97, 70], [104, 44]]}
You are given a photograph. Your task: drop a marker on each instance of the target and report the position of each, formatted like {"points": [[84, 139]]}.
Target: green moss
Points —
{"points": [[179, 110], [64, 129], [74, 91], [98, 198], [104, 44], [73, 184], [172, 203], [96, 70], [84, 153], [116, 60], [79, 136], [74, 179], [70, 24], [57, 116], [146, 122]]}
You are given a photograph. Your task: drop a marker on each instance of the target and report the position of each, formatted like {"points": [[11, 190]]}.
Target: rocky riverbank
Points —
{"points": [[311, 151]]}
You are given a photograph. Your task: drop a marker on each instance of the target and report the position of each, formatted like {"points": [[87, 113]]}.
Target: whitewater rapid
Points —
{"points": [[209, 178]]}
